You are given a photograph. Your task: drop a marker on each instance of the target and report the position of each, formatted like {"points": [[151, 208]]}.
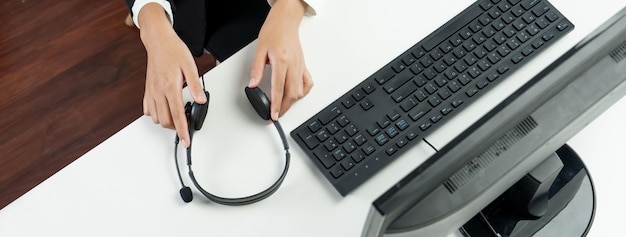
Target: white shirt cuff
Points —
{"points": [[140, 3], [311, 9]]}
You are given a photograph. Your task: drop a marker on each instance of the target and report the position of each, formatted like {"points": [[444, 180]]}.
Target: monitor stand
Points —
{"points": [[555, 199], [556, 196]]}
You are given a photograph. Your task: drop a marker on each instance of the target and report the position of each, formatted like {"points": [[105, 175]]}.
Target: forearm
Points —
{"points": [[155, 24], [310, 6], [290, 11], [136, 5]]}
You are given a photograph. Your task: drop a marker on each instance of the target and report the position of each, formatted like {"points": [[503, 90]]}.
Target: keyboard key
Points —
{"points": [[358, 95], [381, 139], [348, 102], [418, 53], [384, 75], [322, 135], [408, 104], [542, 23], [508, 18], [529, 18], [527, 4], [503, 69], [419, 112], [393, 115], [330, 114], [367, 104], [454, 86], [457, 103], [369, 88], [339, 154], [373, 130], [412, 135], [347, 164], [359, 139], [552, 16], [330, 144], [420, 95], [482, 83], [401, 142], [398, 81], [471, 92], [314, 126], [562, 26], [336, 171], [349, 147], [351, 130], [402, 124], [383, 123], [486, 5], [310, 141], [358, 157], [464, 79], [517, 58], [368, 149], [324, 157], [343, 120], [341, 137], [398, 66], [390, 150], [408, 59], [435, 118]]}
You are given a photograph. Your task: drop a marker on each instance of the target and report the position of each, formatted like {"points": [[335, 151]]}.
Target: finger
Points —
{"points": [[258, 67], [307, 82], [193, 82], [164, 114], [152, 110], [146, 111], [279, 72], [286, 104], [293, 89], [179, 119]]}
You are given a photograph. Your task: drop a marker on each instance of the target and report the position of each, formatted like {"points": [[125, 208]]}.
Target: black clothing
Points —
{"points": [[222, 30]]}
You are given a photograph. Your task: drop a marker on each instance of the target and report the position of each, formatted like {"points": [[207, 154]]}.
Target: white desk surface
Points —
{"points": [[127, 186]]}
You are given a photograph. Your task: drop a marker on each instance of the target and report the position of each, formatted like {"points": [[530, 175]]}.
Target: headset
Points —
{"points": [[196, 114]]}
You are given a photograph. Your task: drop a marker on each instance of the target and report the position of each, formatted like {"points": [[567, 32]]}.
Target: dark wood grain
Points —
{"points": [[72, 75]]}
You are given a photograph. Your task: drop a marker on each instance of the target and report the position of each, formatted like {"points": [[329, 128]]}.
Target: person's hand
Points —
{"points": [[170, 64], [279, 45]]}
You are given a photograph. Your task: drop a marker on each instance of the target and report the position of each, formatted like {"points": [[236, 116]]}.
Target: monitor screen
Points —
{"points": [[473, 169]]}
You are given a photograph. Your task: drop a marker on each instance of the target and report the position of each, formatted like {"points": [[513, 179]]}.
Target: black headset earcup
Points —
{"points": [[259, 101], [188, 110], [198, 112]]}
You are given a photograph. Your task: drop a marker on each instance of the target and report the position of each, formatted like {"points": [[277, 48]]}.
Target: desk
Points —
{"points": [[127, 185]]}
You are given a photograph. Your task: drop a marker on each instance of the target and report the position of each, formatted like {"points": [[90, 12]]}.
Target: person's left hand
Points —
{"points": [[279, 45]]}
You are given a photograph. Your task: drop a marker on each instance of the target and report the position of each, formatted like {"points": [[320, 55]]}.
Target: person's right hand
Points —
{"points": [[170, 64]]}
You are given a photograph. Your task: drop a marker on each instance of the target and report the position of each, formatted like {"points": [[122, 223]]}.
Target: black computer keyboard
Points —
{"points": [[373, 123]]}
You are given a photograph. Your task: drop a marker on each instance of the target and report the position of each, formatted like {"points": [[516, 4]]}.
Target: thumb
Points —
{"points": [[258, 67]]}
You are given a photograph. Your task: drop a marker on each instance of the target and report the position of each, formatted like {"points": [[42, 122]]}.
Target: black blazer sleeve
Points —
{"points": [[189, 22]]}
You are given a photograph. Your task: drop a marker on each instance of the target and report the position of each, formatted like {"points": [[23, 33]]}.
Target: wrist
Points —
{"points": [[291, 11], [300, 4], [296, 7], [154, 23]]}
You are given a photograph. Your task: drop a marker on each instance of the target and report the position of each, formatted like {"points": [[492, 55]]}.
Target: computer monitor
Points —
{"points": [[472, 170]]}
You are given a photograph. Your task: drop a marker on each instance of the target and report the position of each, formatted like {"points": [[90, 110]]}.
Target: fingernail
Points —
{"points": [[252, 82], [275, 116], [202, 96]]}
